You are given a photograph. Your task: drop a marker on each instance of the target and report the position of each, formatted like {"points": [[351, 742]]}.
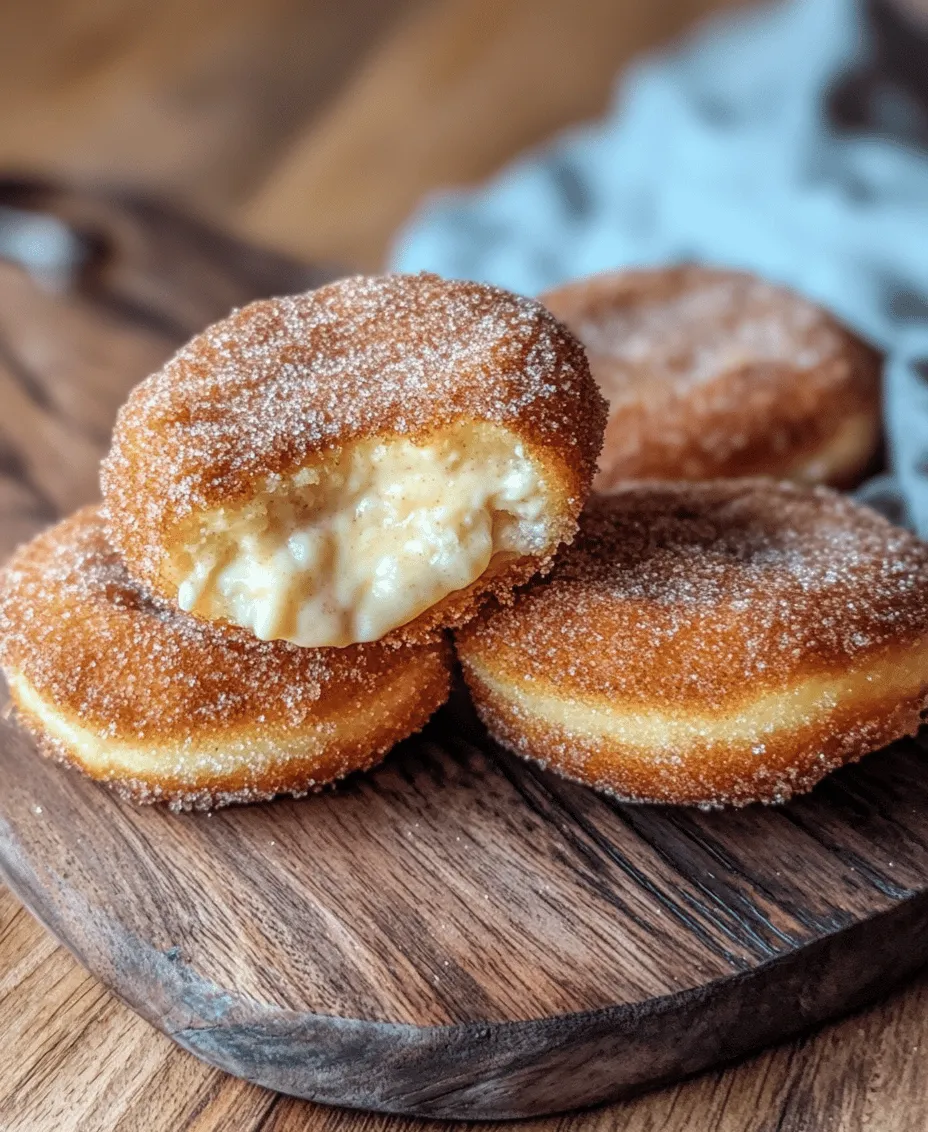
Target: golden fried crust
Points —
{"points": [[718, 374], [85, 646], [284, 380], [710, 643]]}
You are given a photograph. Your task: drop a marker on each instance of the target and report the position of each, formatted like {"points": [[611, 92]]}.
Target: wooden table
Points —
{"points": [[316, 127]]}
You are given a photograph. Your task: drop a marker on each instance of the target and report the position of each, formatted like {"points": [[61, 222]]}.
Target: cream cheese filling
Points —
{"points": [[363, 541]]}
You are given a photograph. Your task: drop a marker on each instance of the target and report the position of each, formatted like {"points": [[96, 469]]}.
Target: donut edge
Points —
{"points": [[297, 774], [792, 762]]}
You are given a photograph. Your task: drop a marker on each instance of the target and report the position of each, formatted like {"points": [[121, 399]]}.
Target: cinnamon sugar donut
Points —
{"points": [[163, 707], [370, 458], [715, 374], [717, 643]]}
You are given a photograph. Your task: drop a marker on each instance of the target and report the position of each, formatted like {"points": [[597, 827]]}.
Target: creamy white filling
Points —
{"points": [[367, 539]]}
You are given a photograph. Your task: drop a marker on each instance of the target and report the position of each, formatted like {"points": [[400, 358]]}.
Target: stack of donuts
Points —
{"points": [[322, 497]]}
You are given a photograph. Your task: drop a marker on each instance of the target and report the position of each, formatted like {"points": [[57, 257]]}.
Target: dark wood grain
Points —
{"points": [[457, 934]]}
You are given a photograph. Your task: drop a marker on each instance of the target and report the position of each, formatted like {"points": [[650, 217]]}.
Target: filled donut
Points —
{"points": [[163, 707], [715, 374], [712, 644], [368, 459]]}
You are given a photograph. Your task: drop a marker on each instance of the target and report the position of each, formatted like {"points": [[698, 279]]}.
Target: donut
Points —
{"points": [[710, 643], [363, 461], [717, 374], [163, 707]]}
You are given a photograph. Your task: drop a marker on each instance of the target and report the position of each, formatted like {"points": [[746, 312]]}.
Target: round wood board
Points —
{"points": [[457, 934]]}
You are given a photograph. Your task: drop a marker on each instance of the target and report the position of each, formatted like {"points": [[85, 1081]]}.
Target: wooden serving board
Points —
{"points": [[457, 934]]}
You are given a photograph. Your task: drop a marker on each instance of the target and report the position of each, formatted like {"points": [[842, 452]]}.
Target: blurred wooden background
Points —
{"points": [[315, 127]]}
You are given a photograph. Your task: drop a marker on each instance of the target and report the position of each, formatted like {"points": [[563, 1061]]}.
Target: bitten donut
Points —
{"points": [[715, 374], [366, 459], [163, 707], [712, 644]]}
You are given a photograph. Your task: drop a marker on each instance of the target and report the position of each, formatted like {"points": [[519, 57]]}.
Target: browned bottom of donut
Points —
{"points": [[246, 764], [758, 750]]}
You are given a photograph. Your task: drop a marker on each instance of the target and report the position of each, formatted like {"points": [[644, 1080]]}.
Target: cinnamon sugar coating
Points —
{"points": [[257, 396], [214, 715], [713, 643], [714, 373]]}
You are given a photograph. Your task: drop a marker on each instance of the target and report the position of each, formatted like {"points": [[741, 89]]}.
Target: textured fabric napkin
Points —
{"points": [[728, 150]]}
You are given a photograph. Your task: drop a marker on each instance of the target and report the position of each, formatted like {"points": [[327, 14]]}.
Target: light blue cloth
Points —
{"points": [[721, 152]]}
